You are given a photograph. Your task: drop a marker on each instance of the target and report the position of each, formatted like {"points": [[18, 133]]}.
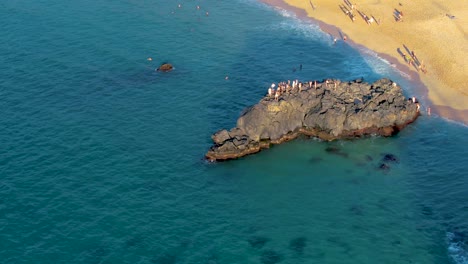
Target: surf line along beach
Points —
{"points": [[423, 39], [330, 109]]}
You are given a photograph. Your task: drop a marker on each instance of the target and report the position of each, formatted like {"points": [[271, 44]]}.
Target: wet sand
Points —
{"points": [[438, 41]]}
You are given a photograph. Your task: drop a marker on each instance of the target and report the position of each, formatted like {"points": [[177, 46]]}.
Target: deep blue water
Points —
{"points": [[101, 156]]}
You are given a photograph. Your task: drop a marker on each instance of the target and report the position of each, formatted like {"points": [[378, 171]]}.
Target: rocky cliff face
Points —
{"points": [[328, 110]]}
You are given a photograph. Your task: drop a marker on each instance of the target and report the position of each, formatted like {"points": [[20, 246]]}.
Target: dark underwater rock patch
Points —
{"points": [[315, 160], [357, 210], [390, 158], [165, 259], [427, 210], [384, 167], [258, 242], [336, 151], [271, 257], [298, 245]]}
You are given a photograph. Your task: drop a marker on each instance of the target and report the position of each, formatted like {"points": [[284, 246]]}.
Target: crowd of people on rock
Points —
{"points": [[296, 86], [284, 87]]}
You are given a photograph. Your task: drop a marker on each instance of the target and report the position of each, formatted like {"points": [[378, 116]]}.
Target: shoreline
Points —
{"points": [[418, 86]]}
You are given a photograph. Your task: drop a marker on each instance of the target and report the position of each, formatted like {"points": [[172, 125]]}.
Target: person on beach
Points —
{"points": [[429, 111], [277, 94], [270, 92]]}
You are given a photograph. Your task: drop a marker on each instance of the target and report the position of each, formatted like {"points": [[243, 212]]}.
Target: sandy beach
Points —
{"points": [[426, 39]]}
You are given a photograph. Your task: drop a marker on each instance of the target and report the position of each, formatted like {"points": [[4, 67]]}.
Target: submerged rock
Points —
{"points": [[384, 167], [271, 257], [327, 110], [258, 242], [390, 158], [298, 244]]}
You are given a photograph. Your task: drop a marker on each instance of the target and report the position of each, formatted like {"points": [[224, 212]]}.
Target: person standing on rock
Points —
{"points": [[277, 94]]}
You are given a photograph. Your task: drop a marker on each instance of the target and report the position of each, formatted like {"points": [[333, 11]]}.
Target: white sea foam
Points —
{"points": [[455, 250]]}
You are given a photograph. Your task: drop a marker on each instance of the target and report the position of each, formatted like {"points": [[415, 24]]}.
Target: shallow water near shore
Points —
{"points": [[102, 157]]}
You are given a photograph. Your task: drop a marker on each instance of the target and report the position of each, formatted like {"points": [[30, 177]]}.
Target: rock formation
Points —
{"points": [[165, 67], [328, 110]]}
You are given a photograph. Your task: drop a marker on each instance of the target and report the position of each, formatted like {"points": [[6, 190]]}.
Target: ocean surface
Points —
{"points": [[101, 157]]}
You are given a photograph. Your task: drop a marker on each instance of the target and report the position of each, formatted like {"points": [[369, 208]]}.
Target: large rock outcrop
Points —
{"points": [[328, 110]]}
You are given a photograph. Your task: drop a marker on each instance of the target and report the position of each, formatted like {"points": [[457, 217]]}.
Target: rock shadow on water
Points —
{"points": [[258, 242], [298, 244], [271, 257]]}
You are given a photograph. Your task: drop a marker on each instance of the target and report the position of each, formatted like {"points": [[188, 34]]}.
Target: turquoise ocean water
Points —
{"points": [[101, 157]]}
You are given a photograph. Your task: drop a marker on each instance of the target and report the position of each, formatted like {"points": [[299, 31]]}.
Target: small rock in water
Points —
{"points": [[271, 257], [298, 244], [258, 242], [165, 67]]}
